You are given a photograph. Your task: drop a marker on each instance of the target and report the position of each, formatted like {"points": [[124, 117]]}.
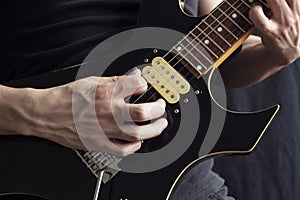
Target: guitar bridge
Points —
{"points": [[100, 161]]}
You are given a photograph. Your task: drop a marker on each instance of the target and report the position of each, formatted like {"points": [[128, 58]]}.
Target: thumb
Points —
{"points": [[258, 17]]}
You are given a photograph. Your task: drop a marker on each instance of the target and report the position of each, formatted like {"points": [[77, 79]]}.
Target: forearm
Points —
{"points": [[96, 101], [11, 110], [253, 64]]}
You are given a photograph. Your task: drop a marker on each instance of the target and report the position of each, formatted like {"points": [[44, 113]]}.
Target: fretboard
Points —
{"points": [[217, 36]]}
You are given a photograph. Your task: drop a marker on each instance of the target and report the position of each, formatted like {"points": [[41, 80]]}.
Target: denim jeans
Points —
{"points": [[201, 183]]}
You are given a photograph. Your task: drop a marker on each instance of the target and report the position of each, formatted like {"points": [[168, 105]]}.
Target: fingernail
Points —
{"points": [[163, 102], [133, 71], [165, 124], [142, 82]]}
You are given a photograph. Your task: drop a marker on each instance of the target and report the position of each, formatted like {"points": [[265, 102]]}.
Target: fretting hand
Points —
{"points": [[280, 32]]}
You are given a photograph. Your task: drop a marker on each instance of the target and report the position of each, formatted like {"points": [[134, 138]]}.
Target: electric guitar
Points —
{"points": [[199, 124]]}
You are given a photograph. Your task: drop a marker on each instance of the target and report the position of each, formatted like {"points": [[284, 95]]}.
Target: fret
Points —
{"points": [[220, 23], [249, 2], [209, 39], [207, 61], [192, 39], [241, 14], [217, 33], [233, 15], [212, 40], [186, 69], [196, 36], [192, 58], [246, 4], [204, 45], [220, 29], [227, 23], [189, 52], [204, 54], [206, 40]]}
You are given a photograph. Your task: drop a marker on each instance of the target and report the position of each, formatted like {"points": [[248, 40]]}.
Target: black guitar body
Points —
{"points": [[39, 167]]}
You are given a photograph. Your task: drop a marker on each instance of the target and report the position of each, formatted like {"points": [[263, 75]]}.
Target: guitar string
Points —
{"points": [[261, 1], [201, 32], [190, 42], [224, 13], [178, 54], [195, 39], [183, 55]]}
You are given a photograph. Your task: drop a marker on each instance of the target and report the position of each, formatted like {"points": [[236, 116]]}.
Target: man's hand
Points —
{"points": [[281, 32], [48, 114]]}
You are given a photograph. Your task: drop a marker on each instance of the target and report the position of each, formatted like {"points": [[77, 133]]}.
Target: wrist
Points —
{"points": [[49, 111], [281, 56]]}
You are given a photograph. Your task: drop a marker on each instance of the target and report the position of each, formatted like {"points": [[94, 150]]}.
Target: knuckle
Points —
{"points": [[140, 113], [291, 21], [115, 78], [103, 93], [262, 26]]}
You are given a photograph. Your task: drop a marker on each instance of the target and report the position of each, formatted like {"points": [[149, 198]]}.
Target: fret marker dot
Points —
{"points": [[206, 41], [220, 29], [234, 15], [199, 67], [179, 48]]}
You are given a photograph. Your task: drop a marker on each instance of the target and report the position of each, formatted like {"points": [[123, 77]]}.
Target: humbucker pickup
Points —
{"points": [[166, 80]]}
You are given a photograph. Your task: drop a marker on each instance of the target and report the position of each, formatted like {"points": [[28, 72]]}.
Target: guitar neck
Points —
{"points": [[217, 36]]}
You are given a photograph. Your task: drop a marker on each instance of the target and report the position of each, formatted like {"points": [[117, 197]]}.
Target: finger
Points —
{"points": [[144, 111], [130, 85], [105, 79], [259, 19], [133, 132], [123, 149], [139, 133], [296, 7], [292, 3], [278, 7], [135, 71]]}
